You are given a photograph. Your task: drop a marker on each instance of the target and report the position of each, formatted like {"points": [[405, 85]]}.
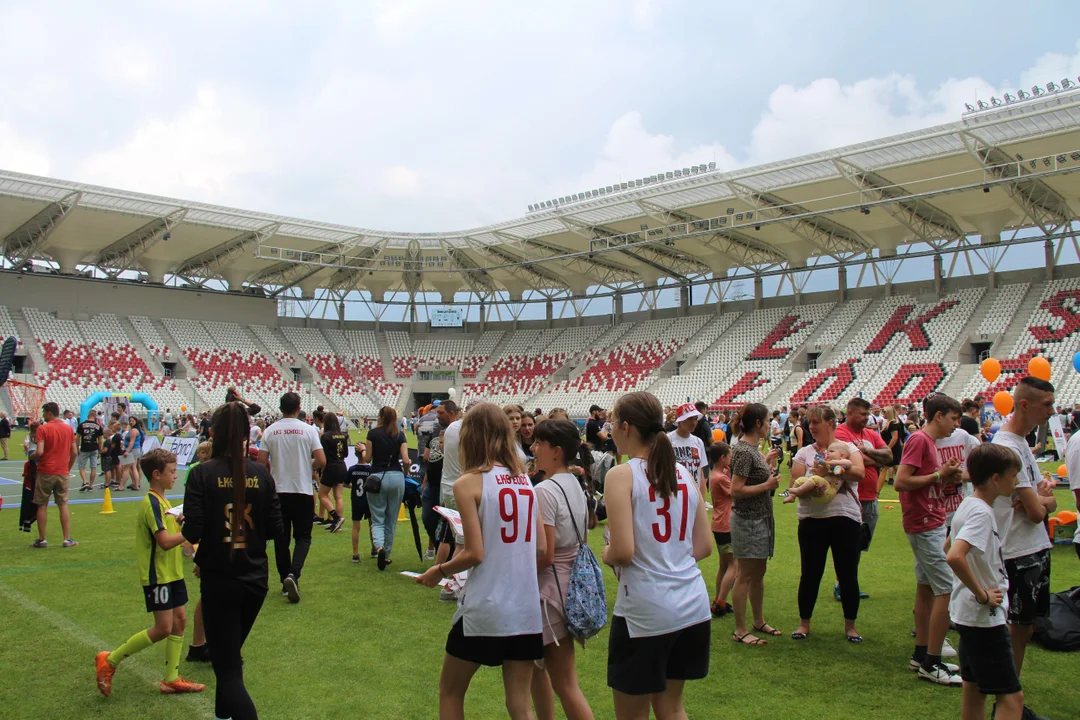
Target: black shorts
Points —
{"points": [[107, 463], [722, 539], [1029, 587], [493, 651], [642, 666], [986, 659], [165, 597], [333, 474], [360, 507]]}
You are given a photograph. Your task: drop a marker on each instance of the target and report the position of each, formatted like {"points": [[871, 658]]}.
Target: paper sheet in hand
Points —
{"points": [[176, 511], [454, 518], [406, 573]]}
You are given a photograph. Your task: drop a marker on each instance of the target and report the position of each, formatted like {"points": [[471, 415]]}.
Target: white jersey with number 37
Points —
{"points": [[502, 597], [662, 590]]}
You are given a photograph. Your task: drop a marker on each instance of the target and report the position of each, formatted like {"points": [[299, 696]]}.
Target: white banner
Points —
{"points": [[182, 448], [150, 442], [1059, 435], [445, 317]]}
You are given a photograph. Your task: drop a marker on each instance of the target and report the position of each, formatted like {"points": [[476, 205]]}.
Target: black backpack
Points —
{"points": [[1060, 630]]}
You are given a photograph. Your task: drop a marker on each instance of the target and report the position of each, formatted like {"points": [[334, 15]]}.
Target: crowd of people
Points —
{"points": [[527, 489]]}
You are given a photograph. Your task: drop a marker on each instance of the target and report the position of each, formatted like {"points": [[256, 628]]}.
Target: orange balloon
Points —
{"points": [[1039, 367], [1063, 471], [991, 369], [718, 435], [1003, 402], [183, 408]]}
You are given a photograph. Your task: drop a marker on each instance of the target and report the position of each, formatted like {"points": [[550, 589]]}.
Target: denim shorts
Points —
{"points": [[930, 566]]}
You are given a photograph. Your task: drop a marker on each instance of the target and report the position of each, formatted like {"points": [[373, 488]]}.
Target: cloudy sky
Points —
{"points": [[418, 115]]}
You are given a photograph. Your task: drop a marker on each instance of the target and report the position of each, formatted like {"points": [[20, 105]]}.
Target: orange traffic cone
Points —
{"points": [[107, 509]]}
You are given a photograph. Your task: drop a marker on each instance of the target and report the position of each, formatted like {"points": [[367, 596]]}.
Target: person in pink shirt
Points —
{"points": [[719, 455], [920, 480]]}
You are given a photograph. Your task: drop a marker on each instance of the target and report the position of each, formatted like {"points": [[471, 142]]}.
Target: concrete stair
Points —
{"points": [[954, 386], [182, 361], [482, 372], [140, 348], [33, 351], [386, 357], [1006, 342], [970, 328]]}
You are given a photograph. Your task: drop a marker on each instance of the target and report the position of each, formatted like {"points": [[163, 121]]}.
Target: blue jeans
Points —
{"points": [[385, 506]]}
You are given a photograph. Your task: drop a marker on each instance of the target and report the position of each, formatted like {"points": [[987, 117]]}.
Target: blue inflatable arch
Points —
{"points": [[142, 398]]}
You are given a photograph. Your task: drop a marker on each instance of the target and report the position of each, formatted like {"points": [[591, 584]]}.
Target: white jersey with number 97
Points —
{"points": [[502, 596], [662, 590]]}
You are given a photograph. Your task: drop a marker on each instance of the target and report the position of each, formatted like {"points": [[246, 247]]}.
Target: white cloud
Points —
{"points": [[644, 14], [203, 153], [401, 180], [19, 155], [632, 152]]}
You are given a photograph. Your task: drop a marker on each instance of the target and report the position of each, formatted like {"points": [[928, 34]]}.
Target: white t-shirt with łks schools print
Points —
{"points": [[690, 453]]}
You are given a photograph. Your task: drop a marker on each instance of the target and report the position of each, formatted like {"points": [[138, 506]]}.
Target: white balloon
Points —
{"points": [[451, 392]]}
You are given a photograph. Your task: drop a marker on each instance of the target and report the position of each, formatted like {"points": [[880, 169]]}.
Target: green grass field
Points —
{"points": [[370, 645]]}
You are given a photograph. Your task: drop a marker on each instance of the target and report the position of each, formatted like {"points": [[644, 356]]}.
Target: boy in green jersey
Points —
{"points": [[161, 567]]}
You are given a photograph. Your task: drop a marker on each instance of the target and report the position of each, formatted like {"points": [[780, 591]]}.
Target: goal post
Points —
{"points": [[26, 398]]}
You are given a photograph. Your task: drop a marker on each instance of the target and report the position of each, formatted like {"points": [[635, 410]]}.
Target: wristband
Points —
{"points": [[937, 476], [440, 570]]}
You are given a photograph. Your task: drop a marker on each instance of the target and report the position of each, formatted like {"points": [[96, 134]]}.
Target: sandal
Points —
{"points": [[742, 639], [799, 635], [854, 638], [764, 628]]}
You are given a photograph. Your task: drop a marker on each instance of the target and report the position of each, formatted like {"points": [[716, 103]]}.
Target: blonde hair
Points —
{"points": [[203, 450], [487, 440]]}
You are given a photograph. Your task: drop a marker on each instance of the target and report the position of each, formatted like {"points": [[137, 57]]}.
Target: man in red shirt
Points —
{"points": [[55, 455], [920, 480], [876, 454]]}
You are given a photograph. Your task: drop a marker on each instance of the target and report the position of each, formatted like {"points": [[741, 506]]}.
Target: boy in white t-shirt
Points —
{"points": [[1072, 465], [689, 449], [958, 445], [980, 599]]}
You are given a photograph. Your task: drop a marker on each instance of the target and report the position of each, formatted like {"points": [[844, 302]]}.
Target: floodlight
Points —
{"points": [[864, 210], [986, 188], [712, 166], [731, 211], [644, 226], [669, 175]]}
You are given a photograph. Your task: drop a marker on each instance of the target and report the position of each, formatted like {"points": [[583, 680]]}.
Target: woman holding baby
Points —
{"points": [[828, 474]]}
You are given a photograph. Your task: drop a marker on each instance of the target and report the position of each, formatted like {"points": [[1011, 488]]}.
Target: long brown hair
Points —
{"points": [[331, 424], [641, 410], [229, 428], [488, 440], [750, 416], [388, 421], [564, 434]]}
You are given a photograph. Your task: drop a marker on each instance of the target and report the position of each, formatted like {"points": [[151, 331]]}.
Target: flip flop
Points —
{"points": [[742, 639], [799, 635], [765, 628], [856, 639]]}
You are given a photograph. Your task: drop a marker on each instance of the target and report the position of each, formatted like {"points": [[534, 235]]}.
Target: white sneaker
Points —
{"points": [[940, 675], [429, 555], [947, 650], [447, 595], [914, 664]]}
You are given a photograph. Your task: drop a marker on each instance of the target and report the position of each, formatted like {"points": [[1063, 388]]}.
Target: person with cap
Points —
{"points": [[689, 449]]}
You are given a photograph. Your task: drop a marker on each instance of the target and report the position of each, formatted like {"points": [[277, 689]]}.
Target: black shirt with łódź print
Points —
{"points": [[335, 446], [207, 520]]}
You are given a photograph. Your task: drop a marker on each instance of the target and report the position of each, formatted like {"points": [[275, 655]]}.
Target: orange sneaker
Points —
{"points": [[105, 671], [180, 685]]}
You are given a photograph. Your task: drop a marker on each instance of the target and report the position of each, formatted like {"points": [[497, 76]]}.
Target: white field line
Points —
{"points": [[137, 663]]}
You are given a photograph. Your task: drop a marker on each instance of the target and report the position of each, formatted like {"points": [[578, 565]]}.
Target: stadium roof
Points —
{"points": [[1005, 168]]}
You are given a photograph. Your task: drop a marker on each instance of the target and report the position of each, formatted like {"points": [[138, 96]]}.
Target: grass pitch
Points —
{"points": [[367, 644]]}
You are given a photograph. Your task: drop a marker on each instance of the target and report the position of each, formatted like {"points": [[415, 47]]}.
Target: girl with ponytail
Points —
{"points": [[660, 632], [231, 509]]}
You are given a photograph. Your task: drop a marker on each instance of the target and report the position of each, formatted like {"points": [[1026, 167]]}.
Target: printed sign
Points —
{"points": [[446, 317], [182, 448], [1059, 435], [454, 518]]}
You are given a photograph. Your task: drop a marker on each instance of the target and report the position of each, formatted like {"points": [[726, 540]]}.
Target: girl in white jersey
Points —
{"points": [[498, 617], [660, 633]]}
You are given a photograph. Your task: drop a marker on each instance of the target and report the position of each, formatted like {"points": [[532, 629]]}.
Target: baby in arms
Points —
{"points": [[837, 462]]}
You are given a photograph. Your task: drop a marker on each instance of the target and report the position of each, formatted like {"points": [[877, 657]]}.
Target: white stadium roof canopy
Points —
{"points": [[1009, 168]]}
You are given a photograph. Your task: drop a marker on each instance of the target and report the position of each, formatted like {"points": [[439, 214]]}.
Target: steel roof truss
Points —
{"points": [[33, 235]]}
